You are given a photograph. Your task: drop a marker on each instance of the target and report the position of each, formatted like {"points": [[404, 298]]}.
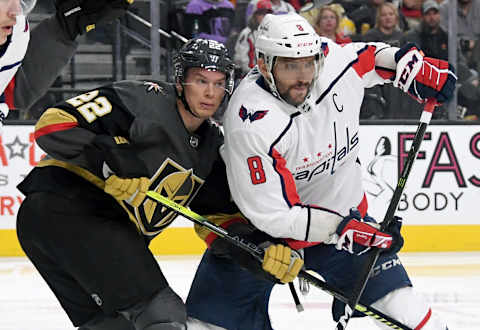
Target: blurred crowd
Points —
{"points": [[397, 22]]}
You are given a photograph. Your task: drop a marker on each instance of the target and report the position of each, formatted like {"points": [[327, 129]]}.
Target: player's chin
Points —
{"points": [[296, 99]]}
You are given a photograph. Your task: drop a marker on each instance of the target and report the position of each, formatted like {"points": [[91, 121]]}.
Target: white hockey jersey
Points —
{"points": [[12, 58], [295, 173], [15, 52]]}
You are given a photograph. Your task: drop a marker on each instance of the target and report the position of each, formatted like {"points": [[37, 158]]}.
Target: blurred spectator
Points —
{"points": [[364, 16], [209, 19], [412, 11], [326, 24], [468, 20], [310, 12], [428, 35], [433, 40], [244, 55], [346, 26], [278, 7], [386, 27]]}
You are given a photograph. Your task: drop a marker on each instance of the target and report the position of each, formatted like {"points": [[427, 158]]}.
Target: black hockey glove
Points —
{"points": [[80, 16], [280, 264]]}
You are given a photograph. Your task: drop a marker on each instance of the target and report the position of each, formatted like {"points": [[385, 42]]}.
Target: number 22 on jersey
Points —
{"points": [[90, 106]]}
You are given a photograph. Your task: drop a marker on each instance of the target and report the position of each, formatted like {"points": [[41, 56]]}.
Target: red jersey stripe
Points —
{"points": [[425, 320], [289, 187], [366, 61], [54, 128], [9, 99]]}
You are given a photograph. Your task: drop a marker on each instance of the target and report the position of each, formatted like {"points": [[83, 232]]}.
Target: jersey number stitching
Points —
{"points": [[89, 109], [257, 174]]}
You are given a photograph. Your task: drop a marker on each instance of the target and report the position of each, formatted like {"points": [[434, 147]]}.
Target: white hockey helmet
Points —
{"points": [[288, 35]]}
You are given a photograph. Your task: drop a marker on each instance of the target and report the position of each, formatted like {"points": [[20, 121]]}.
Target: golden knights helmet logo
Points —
{"points": [[174, 182]]}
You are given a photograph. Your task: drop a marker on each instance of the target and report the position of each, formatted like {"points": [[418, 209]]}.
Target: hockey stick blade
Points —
{"points": [[259, 252], [373, 254]]}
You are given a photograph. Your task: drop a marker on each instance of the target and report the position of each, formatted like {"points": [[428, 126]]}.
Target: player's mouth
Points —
{"points": [[207, 106], [7, 29]]}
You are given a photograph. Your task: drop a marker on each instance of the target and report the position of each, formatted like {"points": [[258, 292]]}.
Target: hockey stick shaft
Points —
{"points": [[258, 254], [373, 254]]}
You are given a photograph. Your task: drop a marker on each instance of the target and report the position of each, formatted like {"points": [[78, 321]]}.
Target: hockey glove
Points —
{"points": [[80, 16], [424, 78], [279, 264], [282, 262], [357, 236], [133, 191]]}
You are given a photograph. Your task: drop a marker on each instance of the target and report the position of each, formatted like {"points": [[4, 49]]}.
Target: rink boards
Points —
{"points": [[439, 205]]}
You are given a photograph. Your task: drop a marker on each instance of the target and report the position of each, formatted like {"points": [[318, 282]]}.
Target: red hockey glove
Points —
{"points": [[436, 80], [357, 236], [423, 78]]}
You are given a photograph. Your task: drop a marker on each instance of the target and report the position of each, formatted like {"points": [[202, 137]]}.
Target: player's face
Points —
{"points": [[294, 78], [9, 9], [204, 91]]}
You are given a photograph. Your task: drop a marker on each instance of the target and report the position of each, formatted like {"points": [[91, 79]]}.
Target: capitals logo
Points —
{"points": [[257, 115], [324, 48]]}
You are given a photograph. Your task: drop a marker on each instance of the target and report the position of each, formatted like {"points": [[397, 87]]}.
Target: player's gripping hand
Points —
{"points": [[80, 16], [133, 190], [282, 262], [357, 236], [424, 78]]}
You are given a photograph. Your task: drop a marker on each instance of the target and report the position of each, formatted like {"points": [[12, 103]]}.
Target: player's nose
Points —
{"points": [[14, 8]]}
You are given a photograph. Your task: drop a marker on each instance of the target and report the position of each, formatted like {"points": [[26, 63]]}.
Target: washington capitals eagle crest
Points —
{"points": [[257, 115]]}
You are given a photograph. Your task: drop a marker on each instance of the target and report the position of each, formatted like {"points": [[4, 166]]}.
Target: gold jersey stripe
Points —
{"points": [[54, 116]]}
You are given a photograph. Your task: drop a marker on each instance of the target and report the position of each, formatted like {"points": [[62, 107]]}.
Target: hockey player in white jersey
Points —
{"points": [[291, 152], [30, 64]]}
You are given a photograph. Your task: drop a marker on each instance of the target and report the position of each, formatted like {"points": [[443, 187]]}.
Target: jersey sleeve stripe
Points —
{"points": [[54, 120], [9, 96], [289, 188], [365, 61], [53, 128]]}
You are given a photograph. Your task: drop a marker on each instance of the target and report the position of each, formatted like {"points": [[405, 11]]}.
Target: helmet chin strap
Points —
{"points": [[181, 96]]}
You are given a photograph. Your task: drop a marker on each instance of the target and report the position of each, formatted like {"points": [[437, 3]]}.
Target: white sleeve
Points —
{"points": [[375, 62], [264, 190]]}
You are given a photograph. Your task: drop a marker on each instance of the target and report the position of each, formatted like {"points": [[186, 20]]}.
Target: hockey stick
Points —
{"points": [[258, 254], [373, 254]]}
